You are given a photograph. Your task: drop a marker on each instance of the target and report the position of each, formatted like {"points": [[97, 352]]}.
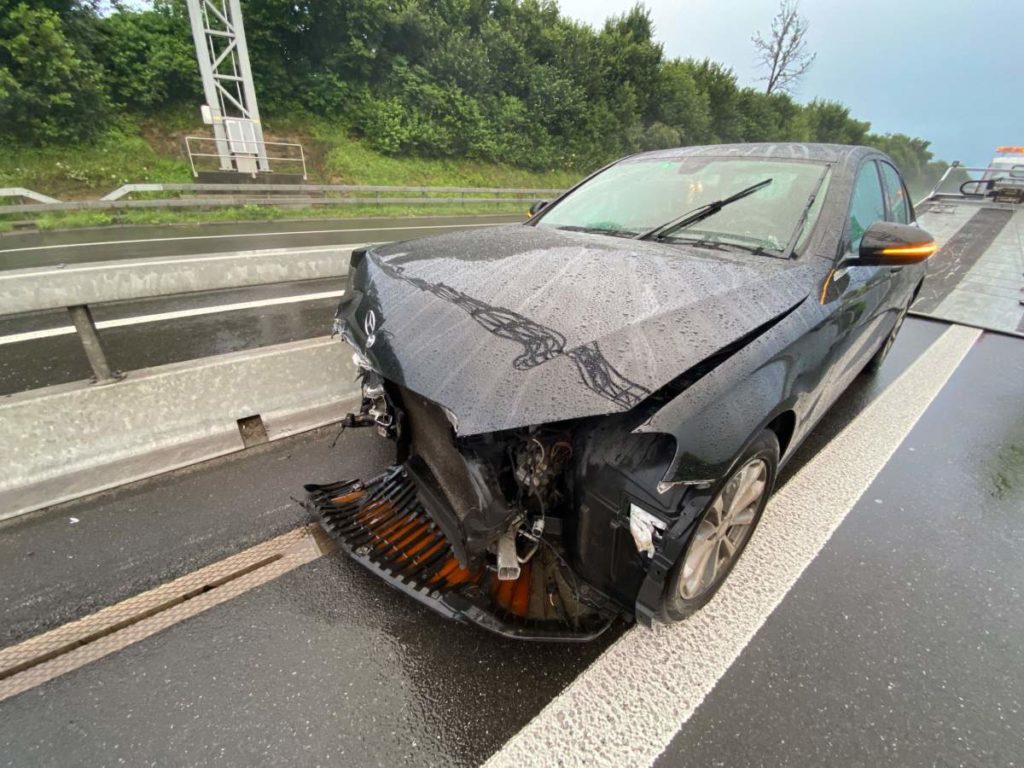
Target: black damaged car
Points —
{"points": [[590, 409]]}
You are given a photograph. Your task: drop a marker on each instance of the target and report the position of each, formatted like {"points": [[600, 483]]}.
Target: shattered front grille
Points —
{"points": [[383, 526], [384, 522]]}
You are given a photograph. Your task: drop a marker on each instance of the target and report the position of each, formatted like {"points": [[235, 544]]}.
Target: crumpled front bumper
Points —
{"points": [[383, 526]]}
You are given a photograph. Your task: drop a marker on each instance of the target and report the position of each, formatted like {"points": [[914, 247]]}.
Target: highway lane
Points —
{"points": [[171, 329], [20, 250], [328, 665], [188, 333]]}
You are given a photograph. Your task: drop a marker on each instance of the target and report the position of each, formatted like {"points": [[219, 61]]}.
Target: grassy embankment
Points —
{"points": [[156, 155]]}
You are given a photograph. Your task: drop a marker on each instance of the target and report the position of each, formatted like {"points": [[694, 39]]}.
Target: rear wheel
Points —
{"points": [[723, 529]]}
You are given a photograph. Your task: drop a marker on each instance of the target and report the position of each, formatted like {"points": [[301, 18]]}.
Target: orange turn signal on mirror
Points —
{"points": [[925, 249]]}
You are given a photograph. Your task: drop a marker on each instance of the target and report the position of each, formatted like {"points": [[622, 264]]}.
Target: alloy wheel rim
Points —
{"points": [[724, 529]]}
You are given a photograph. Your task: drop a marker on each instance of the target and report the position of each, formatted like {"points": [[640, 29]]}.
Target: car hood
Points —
{"points": [[517, 325]]}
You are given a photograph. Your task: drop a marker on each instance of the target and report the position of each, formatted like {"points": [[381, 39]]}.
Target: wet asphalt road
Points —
{"points": [[902, 642], [899, 645], [324, 665], [42, 362], [20, 250]]}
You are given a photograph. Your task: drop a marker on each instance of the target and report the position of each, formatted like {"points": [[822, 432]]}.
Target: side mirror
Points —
{"points": [[538, 206], [887, 244]]}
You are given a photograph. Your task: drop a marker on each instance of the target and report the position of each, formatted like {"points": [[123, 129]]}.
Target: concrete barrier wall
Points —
{"points": [[71, 440], [40, 288]]}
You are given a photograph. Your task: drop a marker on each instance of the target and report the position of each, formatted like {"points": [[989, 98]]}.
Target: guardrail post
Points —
{"points": [[86, 327]]}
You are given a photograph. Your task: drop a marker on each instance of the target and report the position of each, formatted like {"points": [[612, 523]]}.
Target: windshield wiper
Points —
{"points": [[597, 230], [704, 241], [790, 251], [699, 214]]}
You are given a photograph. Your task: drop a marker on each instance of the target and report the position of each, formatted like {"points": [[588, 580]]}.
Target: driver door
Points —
{"points": [[859, 293]]}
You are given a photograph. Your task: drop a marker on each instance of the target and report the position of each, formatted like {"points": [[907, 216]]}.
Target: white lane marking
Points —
{"points": [[626, 707], [244, 234], [159, 317]]}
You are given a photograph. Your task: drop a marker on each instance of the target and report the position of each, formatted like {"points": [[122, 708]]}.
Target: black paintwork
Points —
{"points": [[513, 326], [525, 325]]}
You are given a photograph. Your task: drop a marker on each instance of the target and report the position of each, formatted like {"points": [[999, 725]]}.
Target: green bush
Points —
{"points": [[506, 82], [48, 92]]}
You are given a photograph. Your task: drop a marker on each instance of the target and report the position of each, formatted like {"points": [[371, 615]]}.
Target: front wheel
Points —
{"points": [[723, 530]]}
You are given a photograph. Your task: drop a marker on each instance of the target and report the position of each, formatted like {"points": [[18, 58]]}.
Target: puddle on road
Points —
{"points": [[1007, 471]]}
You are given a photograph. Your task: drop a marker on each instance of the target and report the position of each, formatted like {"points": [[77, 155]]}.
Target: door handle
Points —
{"points": [[895, 269]]}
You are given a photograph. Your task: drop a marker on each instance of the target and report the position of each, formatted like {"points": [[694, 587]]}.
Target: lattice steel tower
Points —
{"points": [[227, 84]]}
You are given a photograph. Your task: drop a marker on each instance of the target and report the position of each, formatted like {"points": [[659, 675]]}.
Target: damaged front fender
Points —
{"points": [[711, 419]]}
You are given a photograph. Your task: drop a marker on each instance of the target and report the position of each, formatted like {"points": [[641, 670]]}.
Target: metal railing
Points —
{"points": [[298, 155], [989, 179], [27, 194], [77, 287], [320, 189], [227, 195]]}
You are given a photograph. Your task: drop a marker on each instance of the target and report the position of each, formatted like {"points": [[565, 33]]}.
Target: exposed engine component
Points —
{"points": [[539, 462], [508, 561]]}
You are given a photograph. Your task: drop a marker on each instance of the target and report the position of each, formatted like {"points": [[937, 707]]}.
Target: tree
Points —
{"points": [[148, 57], [508, 81], [784, 53], [48, 93], [830, 122], [719, 84], [681, 104]]}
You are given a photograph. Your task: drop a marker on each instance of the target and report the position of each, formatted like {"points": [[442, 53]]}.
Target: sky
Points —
{"points": [[948, 71]]}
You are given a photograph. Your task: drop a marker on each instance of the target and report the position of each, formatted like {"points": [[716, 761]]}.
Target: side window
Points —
{"points": [[868, 205], [895, 195]]}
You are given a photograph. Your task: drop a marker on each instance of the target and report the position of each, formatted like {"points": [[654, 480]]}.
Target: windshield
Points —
{"points": [[635, 196]]}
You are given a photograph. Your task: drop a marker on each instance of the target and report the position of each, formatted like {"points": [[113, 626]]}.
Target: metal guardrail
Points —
{"points": [[78, 286], [318, 189], [251, 152], [28, 194], [284, 195], [229, 202]]}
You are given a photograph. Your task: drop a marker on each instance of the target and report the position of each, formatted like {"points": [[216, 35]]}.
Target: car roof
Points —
{"points": [[827, 153]]}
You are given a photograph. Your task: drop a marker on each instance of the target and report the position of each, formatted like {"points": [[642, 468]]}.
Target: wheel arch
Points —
{"points": [[784, 426]]}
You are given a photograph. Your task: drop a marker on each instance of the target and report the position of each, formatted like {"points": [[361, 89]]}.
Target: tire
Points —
{"points": [[722, 532], [875, 363]]}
